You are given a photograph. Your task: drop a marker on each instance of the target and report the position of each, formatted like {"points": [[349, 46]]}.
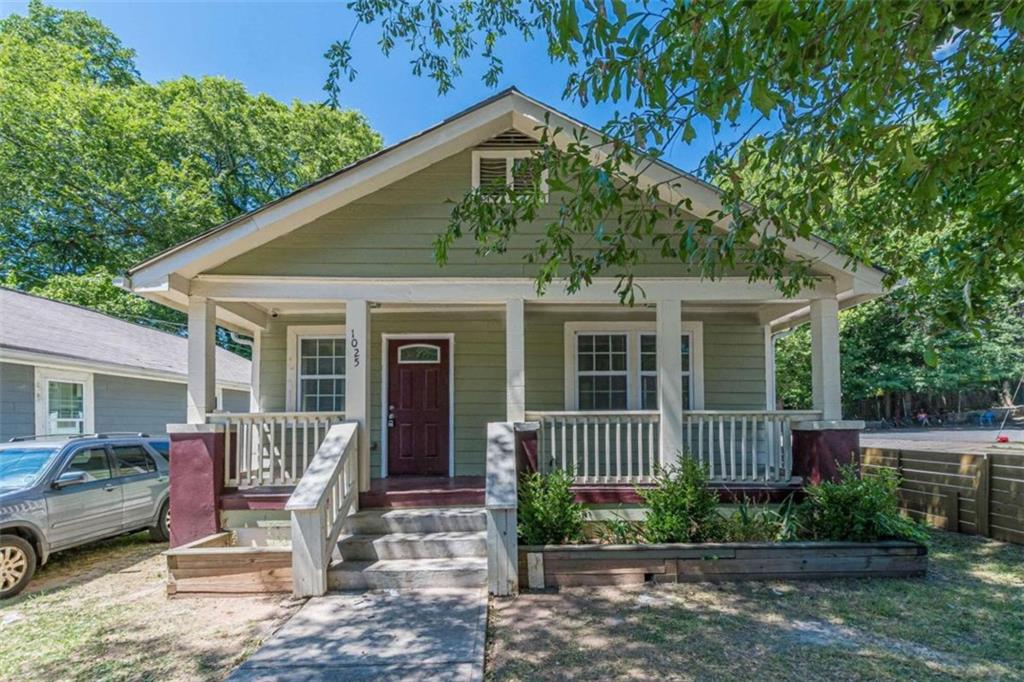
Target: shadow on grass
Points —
{"points": [[965, 619]]}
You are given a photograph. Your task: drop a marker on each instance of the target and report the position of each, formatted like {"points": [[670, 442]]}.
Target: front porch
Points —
{"points": [[613, 396], [361, 405]]}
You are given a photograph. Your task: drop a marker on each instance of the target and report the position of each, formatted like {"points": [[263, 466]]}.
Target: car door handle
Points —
{"points": [[109, 487], [161, 479]]}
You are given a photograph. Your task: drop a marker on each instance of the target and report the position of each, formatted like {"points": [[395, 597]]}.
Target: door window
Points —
{"points": [[92, 462], [133, 460]]}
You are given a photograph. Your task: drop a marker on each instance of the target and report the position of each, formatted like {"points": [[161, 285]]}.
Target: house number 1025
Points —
{"points": [[355, 349]]}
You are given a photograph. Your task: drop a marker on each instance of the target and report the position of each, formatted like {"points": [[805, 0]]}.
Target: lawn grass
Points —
{"points": [[964, 620], [100, 612]]}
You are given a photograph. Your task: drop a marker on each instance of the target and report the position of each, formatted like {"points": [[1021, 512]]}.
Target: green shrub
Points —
{"points": [[858, 509], [548, 511], [760, 523], [681, 508], [620, 531]]}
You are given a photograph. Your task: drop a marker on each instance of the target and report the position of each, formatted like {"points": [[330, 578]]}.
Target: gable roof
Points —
{"points": [[37, 328], [509, 109]]}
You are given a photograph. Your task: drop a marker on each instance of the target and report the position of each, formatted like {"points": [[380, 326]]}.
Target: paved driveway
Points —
{"points": [[968, 440]]}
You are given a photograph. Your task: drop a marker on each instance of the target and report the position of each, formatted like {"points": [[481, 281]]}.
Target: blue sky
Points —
{"points": [[278, 48]]}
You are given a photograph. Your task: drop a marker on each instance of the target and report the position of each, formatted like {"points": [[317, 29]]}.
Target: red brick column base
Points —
{"points": [[820, 448], [197, 480]]}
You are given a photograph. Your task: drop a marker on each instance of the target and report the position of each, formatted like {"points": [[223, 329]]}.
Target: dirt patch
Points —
{"points": [[101, 612], [963, 621]]}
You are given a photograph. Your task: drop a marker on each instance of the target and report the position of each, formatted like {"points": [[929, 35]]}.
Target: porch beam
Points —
{"points": [[826, 391], [515, 360], [494, 290], [357, 380], [670, 379], [202, 370]]}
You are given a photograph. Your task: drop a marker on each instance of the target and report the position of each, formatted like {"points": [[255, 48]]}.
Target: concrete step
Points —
{"points": [[446, 545], [408, 574], [423, 520]]}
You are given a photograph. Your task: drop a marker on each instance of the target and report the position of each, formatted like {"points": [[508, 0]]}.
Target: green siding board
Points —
{"points": [[733, 371], [356, 240]]}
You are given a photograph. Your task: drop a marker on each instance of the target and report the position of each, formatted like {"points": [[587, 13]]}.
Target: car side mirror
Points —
{"points": [[69, 478]]}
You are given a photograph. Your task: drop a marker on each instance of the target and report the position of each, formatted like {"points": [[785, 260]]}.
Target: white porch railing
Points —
{"points": [[320, 504], [271, 448], [743, 446], [599, 447], [623, 447]]}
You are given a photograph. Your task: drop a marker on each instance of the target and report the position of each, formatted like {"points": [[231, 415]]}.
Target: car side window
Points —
{"points": [[92, 462], [133, 460]]}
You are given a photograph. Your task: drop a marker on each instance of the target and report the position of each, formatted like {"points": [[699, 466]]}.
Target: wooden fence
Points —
{"points": [[982, 494]]}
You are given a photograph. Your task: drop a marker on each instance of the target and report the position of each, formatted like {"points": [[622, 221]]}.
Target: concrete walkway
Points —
{"points": [[386, 635]]}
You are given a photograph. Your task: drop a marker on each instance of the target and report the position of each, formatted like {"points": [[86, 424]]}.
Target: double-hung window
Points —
{"points": [[63, 402], [317, 358], [614, 367]]}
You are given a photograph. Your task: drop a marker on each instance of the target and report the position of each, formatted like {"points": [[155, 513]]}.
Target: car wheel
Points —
{"points": [[17, 564], [161, 532]]}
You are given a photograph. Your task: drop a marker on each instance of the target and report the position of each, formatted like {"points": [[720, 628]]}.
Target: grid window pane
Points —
{"points": [[602, 368], [649, 392], [322, 374], [603, 393]]}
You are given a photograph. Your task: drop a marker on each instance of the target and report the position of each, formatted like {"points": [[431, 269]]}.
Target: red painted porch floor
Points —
{"points": [[468, 491]]}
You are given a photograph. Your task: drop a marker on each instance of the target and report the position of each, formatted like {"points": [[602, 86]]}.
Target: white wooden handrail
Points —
{"points": [[320, 504], [270, 448]]}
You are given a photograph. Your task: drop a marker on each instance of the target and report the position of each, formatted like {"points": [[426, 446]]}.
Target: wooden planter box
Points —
{"points": [[571, 565], [214, 565]]}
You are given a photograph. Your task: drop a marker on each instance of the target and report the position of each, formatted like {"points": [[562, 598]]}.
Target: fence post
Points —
{"points": [[982, 477], [501, 503], [309, 572]]}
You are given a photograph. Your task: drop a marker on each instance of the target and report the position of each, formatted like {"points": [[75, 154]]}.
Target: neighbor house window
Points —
{"points": [[322, 374], [63, 402], [616, 368]]}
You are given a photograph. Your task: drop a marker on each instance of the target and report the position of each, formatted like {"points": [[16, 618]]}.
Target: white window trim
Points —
{"points": [[303, 331], [43, 377], [384, 339], [633, 330], [508, 155]]}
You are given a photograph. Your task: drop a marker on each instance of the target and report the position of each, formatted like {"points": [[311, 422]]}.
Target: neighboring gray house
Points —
{"points": [[66, 369]]}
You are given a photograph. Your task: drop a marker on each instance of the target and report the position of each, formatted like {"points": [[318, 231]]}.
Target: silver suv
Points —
{"points": [[58, 493]]}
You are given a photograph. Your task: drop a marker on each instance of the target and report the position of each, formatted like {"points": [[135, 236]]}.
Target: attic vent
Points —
{"points": [[510, 139], [496, 169], [493, 174]]}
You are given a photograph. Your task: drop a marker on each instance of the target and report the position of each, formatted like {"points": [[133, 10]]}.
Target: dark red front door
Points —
{"points": [[418, 407]]}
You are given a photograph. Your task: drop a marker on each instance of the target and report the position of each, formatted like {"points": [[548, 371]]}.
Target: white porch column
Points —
{"points": [[357, 380], [202, 370], [255, 391], [826, 389], [670, 380], [515, 360]]}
